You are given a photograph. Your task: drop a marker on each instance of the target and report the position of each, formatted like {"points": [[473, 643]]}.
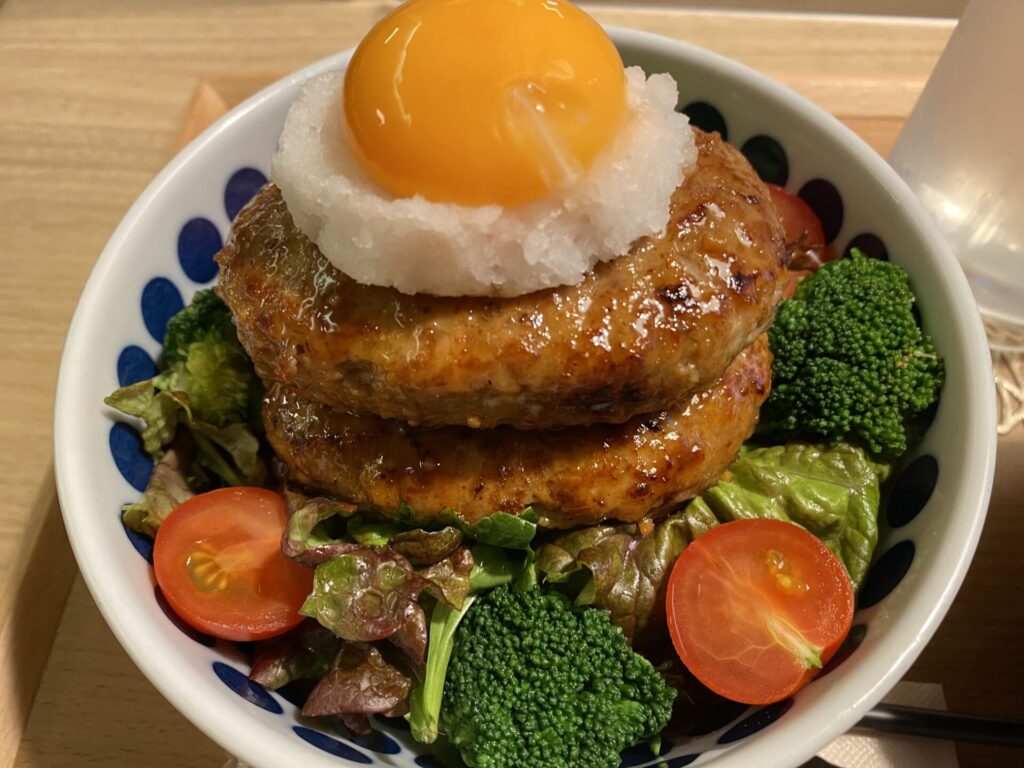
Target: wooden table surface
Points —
{"points": [[91, 98]]}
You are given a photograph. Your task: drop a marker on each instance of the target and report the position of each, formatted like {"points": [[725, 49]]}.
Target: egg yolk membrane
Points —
{"points": [[479, 102]]}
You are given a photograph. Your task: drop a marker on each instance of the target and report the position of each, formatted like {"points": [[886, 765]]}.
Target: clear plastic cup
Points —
{"points": [[962, 152]]}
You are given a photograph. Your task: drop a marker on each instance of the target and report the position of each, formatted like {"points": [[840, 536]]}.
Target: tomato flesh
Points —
{"points": [[756, 607], [805, 238], [217, 559], [799, 221]]}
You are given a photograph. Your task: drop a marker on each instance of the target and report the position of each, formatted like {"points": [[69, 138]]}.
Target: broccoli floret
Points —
{"points": [[533, 681], [205, 360], [850, 360], [492, 567], [200, 412]]}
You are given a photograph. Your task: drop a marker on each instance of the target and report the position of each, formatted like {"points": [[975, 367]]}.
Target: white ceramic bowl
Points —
{"points": [[160, 254]]}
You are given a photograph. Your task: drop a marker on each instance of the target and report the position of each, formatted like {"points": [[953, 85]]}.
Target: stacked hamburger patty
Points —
{"points": [[611, 399]]}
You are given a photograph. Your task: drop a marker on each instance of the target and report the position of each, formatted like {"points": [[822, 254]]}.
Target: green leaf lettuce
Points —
{"points": [[620, 568], [832, 492]]}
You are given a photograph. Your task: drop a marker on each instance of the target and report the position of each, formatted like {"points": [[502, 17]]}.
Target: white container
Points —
{"points": [[962, 152]]}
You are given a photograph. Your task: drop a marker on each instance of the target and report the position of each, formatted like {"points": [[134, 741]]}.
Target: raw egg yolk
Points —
{"points": [[482, 101]]}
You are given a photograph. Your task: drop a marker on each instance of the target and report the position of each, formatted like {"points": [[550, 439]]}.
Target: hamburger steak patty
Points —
{"points": [[572, 476], [637, 335]]}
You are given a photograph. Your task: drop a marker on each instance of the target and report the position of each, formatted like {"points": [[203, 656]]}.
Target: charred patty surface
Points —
{"points": [[637, 335], [571, 476]]}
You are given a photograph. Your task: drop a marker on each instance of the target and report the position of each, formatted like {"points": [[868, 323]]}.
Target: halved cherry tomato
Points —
{"points": [[799, 221], [756, 607], [218, 562], [805, 238]]}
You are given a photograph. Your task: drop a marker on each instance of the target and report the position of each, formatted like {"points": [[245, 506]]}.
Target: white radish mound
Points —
{"points": [[419, 246]]}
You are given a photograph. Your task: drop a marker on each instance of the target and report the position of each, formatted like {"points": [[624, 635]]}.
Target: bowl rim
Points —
{"points": [[773, 747]]}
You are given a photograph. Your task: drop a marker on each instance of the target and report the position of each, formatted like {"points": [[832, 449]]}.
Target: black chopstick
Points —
{"points": [[936, 724], [818, 762]]}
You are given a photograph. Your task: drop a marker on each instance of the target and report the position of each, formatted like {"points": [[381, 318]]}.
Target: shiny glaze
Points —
{"points": [[636, 335], [572, 476]]}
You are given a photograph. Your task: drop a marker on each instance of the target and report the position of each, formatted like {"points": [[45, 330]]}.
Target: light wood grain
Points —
{"points": [[29, 616], [925, 8], [976, 653], [91, 96], [96, 709]]}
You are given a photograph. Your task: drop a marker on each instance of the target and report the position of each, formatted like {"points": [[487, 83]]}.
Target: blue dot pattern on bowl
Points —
{"points": [[243, 184], [332, 745], [252, 692], [641, 754], [133, 365], [755, 722], [189, 632], [886, 574], [768, 158], [143, 544], [131, 461], [825, 200], [161, 300], [707, 118], [912, 490], [427, 761], [198, 242], [378, 741], [869, 244]]}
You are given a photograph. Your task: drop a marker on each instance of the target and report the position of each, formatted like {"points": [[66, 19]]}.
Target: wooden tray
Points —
{"points": [[94, 708]]}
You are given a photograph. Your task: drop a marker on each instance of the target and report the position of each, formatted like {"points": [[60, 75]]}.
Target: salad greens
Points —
{"points": [[363, 595], [230, 452], [166, 489], [307, 538], [304, 654], [369, 533], [624, 569], [505, 530], [351, 679], [203, 401], [368, 594], [411, 639], [425, 547], [832, 492], [449, 579], [360, 681]]}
